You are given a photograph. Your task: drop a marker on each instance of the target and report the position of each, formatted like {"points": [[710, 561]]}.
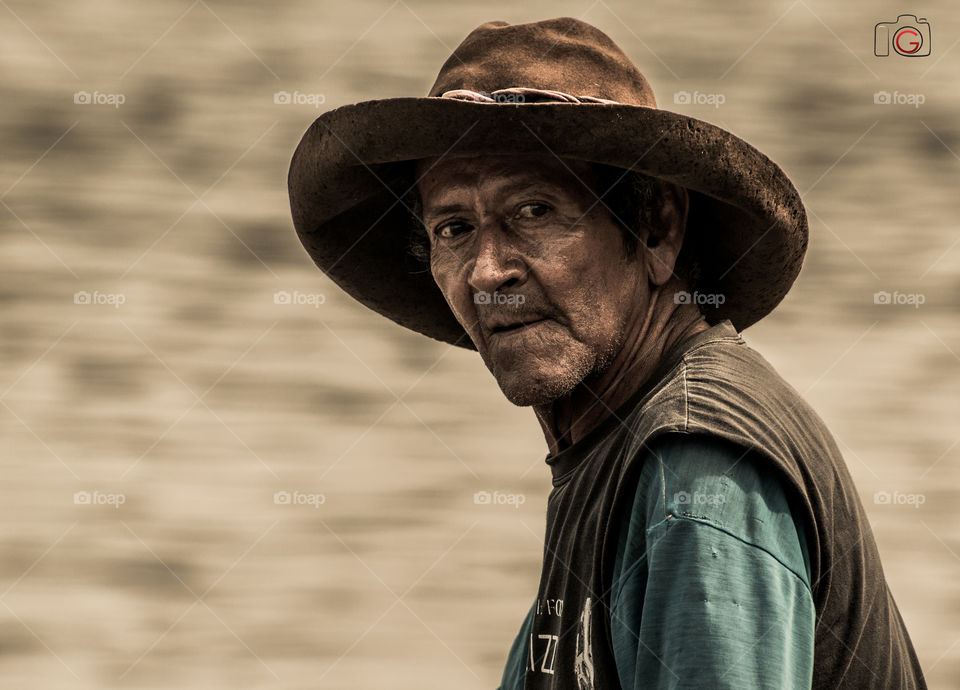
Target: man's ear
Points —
{"points": [[672, 219]]}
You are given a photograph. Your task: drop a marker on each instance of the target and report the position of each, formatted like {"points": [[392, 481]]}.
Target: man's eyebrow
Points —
{"points": [[503, 190], [442, 210]]}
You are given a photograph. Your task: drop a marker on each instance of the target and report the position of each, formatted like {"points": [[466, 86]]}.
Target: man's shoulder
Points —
{"points": [[724, 387], [719, 380], [734, 367], [724, 361]]}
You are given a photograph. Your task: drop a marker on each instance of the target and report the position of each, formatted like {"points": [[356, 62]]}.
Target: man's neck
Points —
{"points": [[568, 419]]}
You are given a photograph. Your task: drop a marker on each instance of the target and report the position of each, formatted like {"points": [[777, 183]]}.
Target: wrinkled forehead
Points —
{"points": [[450, 172]]}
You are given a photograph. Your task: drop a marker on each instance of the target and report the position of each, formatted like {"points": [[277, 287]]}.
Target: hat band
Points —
{"points": [[521, 94]]}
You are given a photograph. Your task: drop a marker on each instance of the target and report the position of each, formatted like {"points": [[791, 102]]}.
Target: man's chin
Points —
{"points": [[528, 397], [538, 388], [541, 372]]}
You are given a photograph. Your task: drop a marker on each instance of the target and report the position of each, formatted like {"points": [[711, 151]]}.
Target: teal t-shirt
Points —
{"points": [[711, 583]]}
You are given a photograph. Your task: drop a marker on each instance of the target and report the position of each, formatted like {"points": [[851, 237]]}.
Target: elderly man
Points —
{"points": [[602, 256]]}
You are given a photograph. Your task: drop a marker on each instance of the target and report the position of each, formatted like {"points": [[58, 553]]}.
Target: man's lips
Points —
{"points": [[516, 326]]}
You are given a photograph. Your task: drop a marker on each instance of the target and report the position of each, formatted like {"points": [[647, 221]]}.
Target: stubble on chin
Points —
{"points": [[535, 380], [554, 370]]}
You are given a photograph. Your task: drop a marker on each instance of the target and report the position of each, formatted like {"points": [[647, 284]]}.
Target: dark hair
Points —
{"points": [[633, 200]]}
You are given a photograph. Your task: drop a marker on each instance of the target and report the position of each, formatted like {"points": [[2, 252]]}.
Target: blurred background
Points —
{"points": [[220, 471]]}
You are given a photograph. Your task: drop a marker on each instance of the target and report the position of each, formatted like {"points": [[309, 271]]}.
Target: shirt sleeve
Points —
{"points": [[515, 668], [711, 582]]}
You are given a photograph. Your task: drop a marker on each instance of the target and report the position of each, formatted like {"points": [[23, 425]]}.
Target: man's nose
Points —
{"points": [[497, 262]]}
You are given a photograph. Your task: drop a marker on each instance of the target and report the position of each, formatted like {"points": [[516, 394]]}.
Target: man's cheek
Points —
{"points": [[466, 312], [450, 276], [460, 302]]}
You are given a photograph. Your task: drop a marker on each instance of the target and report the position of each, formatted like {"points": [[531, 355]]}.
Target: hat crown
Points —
{"points": [[562, 54]]}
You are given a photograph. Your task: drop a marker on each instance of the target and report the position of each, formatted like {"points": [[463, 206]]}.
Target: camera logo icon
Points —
{"points": [[909, 36]]}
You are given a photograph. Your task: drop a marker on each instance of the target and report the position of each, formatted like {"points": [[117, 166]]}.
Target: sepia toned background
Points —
{"points": [[171, 362]]}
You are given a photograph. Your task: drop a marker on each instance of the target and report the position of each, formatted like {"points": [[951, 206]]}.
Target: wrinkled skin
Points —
{"points": [[530, 232]]}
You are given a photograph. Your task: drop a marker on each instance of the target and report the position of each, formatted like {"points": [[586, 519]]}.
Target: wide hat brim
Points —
{"points": [[354, 163]]}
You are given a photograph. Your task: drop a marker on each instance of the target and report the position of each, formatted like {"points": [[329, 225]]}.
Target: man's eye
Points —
{"points": [[533, 210], [450, 229]]}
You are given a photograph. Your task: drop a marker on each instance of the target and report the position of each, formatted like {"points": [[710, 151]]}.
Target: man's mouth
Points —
{"points": [[517, 327]]}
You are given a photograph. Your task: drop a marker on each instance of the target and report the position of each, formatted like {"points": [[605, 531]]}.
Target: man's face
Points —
{"points": [[533, 267]]}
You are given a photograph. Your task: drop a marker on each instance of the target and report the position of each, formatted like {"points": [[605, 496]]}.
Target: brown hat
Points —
{"points": [[557, 87]]}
